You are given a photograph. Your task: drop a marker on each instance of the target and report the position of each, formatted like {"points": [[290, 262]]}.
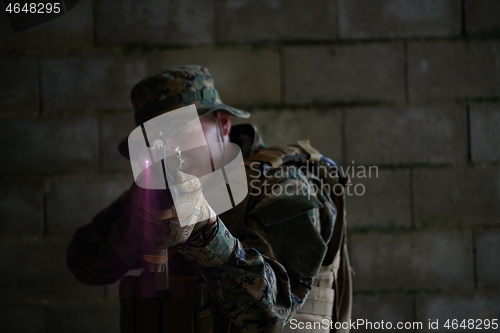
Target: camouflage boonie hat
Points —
{"points": [[176, 87], [173, 88]]}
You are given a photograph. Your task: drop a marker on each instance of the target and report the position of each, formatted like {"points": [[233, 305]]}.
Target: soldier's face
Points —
{"points": [[214, 125], [193, 143]]}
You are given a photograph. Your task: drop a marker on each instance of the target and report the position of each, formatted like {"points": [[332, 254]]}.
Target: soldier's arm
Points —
{"points": [[253, 290], [96, 253], [246, 278]]}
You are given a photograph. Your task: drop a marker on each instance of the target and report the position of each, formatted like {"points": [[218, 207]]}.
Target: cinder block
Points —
{"points": [[388, 308], [406, 135], [48, 145], [380, 198], [344, 73], [283, 127], [404, 18], [21, 208], [73, 29], [90, 81], [262, 20], [448, 307], [22, 318], [113, 129], [451, 198], [488, 265], [242, 76], [412, 261], [84, 318], [445, 70], [153, 22], [18, 87], [485, 132], [37, 271], [73, 202], [482, 17]]}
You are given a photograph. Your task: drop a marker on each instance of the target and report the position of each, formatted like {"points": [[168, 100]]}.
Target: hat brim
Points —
{"points": [[224, 107], [123, 144]]}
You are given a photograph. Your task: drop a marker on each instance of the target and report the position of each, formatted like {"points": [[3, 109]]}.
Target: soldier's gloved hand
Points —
{"points": [[191, 207], [157, 220]]}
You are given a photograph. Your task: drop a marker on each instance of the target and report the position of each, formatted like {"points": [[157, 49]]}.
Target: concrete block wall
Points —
{"points": [[411, 87]]}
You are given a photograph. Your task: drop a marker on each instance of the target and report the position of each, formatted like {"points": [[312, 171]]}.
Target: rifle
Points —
{"points": [[171, 161]]}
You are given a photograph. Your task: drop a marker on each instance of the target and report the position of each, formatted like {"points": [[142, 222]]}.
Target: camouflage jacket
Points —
{"points": [[260, 279]]}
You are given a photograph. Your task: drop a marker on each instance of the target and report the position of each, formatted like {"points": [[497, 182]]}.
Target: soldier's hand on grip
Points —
{"points": [[157, 220]]}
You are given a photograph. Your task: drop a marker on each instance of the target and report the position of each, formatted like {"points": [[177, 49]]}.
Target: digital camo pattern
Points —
{"points": [[245, 276], [176, 87]]}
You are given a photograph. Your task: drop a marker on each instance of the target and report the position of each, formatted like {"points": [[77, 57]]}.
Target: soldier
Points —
{"points": [[257, 262]]}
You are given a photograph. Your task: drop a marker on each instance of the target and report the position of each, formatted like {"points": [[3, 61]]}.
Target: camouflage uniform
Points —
{"points": [[259, 286]]}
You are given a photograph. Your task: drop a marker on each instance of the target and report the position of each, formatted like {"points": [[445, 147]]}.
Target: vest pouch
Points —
{"points": [[290, 229]]}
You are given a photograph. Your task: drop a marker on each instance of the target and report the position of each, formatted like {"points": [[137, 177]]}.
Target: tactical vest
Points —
{"points": [[330, 297]]}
